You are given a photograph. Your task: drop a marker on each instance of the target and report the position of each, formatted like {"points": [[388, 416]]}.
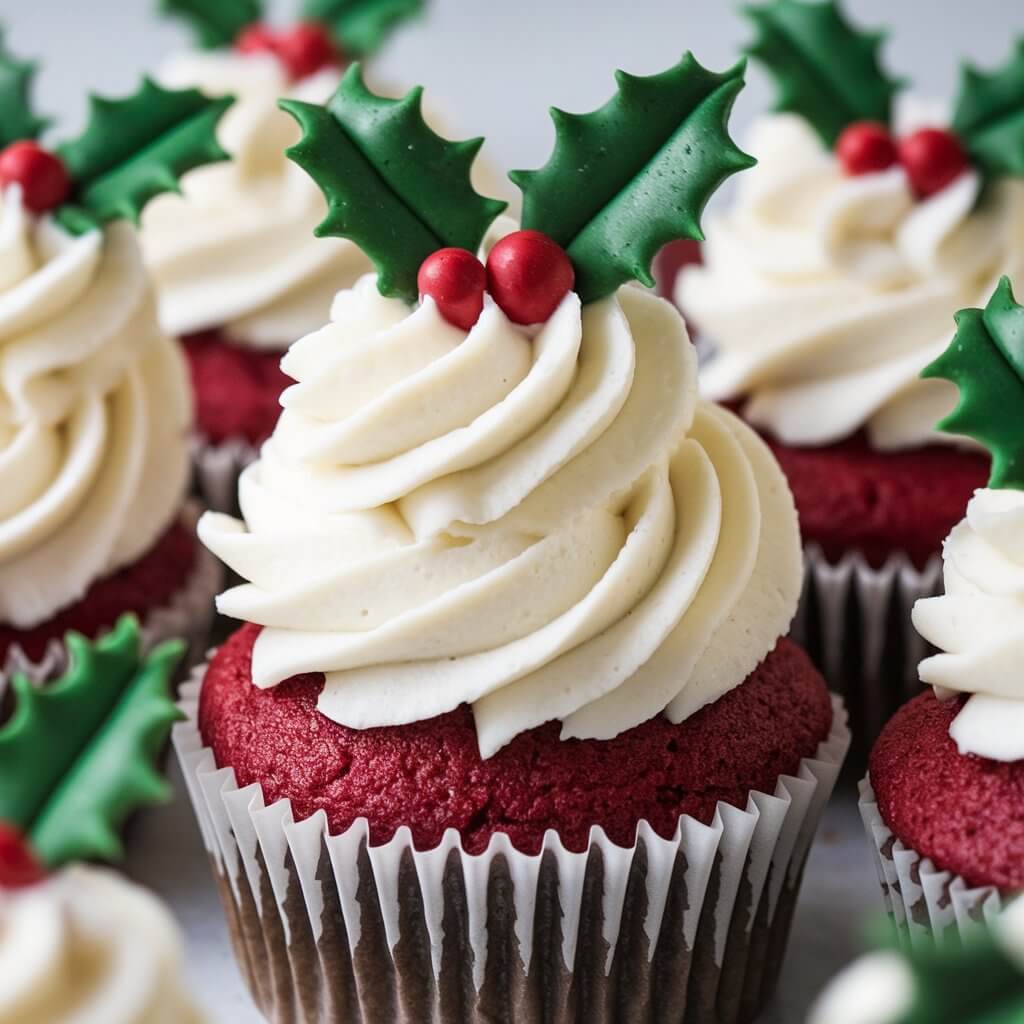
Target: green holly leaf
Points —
{"points": [[136, 148], [216, 23], [636, 174], [361, 26], [826, 71], [989, 116], [393, 186], [79, 755], [986, 362], [17, 121]]}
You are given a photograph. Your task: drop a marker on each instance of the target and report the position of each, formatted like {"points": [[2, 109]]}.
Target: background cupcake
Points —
{"points": [[827, 288], [94, 400], [945, 801], [512, 594]]}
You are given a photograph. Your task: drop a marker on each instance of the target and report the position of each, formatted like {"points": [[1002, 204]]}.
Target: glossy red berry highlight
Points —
{"points": [[529, 274], [305, 49], [933, 158], [455, 279], [256, 38], [18, 865], [866, 147], [42, 176]]}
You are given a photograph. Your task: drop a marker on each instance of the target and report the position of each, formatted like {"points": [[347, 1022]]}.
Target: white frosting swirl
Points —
{"points": [[979, 624], [87, 947], [236, 250], [546, 528], [94, 412], [827, 295]]}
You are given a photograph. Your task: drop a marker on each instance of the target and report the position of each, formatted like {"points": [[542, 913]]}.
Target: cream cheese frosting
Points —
{"points": [[87, 947], [827, 295], [544, 525], [978, 625], [94, 412]]}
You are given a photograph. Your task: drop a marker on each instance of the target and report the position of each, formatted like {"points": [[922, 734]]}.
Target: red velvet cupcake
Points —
{"points": [[826, 290], [511, 720], [94, 399]]}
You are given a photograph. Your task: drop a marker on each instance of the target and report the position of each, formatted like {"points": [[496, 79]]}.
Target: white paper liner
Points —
{"points": [[216, 469], [329, 929], [854, 621], [922, 900], [188, 617]]}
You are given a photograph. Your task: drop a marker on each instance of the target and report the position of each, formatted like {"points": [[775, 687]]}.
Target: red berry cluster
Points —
{"points": [[527, 273], [43, 178], [18, 865], [932, 157], [303, 50]]}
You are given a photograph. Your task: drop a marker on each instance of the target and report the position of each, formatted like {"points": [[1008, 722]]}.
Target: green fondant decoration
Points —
{"points": [[986, 362], [989, 117], [216, 23], [136, 148], [361, 26], [393, 186], [826, 71], [636, 174], [79, 755], [17, 121]]}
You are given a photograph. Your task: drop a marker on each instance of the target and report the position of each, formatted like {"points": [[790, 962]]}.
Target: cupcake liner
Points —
{"points": [[328, 929], [189, 616], [216, 469], [854, 621], [923, 901]]}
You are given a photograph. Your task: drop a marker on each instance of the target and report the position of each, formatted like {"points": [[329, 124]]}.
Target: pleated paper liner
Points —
{"points": [[188, 616], [922, 900], [216, 468], [854, 621], [328, 929]]}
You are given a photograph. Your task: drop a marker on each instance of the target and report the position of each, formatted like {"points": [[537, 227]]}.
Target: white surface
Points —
{"points": [[840, 892]]}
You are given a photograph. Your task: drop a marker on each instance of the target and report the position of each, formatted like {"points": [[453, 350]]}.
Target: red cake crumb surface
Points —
{"points": [[237, 389], [429, 775], [148, 584], [670, 260], [964, 812], [853, 498]]}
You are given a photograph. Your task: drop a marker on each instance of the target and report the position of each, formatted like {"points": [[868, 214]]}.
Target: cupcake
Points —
{"points": [[974, 983], [944, 803], [84, 944], [239, 273], [94, 399], [826, 289], [511, 729]]}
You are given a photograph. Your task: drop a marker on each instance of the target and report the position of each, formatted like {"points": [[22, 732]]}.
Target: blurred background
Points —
{"points": [[495, 67]]}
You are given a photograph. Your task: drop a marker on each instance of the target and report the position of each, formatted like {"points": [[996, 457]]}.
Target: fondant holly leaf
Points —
{"points": [[393, 186], [986, 362], [79, 755], [989, 117], [825, 70], [361, 26], [636, 174], [216, 23], [136, 148], [17, 121]]}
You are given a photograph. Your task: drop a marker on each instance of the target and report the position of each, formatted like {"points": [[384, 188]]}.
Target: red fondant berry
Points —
{"points": [[455, 279], [529, 274], [256, 38], [305, 49], [42, 176], [933, 158], [866, 147], [18, 865]]}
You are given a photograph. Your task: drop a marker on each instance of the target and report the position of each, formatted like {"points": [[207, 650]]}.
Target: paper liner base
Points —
{"points": [[854, 621], [328, 929], [923, 901], [216, 469], [189, 616]]}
